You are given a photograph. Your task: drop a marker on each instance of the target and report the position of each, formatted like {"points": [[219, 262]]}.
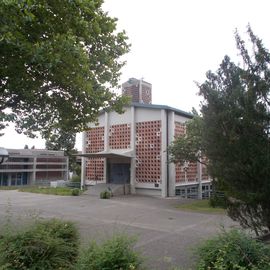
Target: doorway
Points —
{"points": [[119, 173]]}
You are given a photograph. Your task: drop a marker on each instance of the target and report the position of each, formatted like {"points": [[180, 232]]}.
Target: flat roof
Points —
{"points": [[162, 107], [109, 154], [157, 107]]}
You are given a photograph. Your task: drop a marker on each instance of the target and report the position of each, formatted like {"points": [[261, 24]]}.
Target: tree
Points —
{"points": [[188, 147], [235, 132], [61, 140], [64, 140], [59, 60]]}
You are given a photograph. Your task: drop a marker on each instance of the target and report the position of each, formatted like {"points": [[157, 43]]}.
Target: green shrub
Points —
{"points": [[105, 194], [114, 254], [76, 179], [233, 250], [218, 199], [75, 192], [47, 245]]}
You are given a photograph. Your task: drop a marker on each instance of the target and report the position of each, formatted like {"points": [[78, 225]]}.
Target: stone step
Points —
{"points": [[116, 189]]}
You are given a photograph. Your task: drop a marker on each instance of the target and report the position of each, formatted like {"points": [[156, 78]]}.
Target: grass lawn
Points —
{"points": [[63, 191], [8, 188], [201, 206]]}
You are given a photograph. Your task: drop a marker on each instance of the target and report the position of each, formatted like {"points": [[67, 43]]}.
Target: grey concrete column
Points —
{"points": [[106, 132], [9, 179], [133, 148], [83, 166], [171, 129], [164, 153], [106, 144], [34, 170]]}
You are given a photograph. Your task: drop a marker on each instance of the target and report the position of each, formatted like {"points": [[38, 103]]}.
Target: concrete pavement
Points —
{"points": [[166, 236]]}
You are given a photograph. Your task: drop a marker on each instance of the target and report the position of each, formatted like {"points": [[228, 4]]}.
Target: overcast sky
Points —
{"points": [[174, 43]]}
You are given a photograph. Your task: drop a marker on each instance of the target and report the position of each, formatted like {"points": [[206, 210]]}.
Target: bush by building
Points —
{"points": [[115, 253], [233, 250], [47, 245]]}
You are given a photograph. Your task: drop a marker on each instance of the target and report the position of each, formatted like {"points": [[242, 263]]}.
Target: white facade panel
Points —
{"points": [[118, 119], [180, 118], [142, 114], [100, 123]]}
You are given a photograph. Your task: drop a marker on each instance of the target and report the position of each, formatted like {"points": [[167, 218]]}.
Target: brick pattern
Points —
{"points": [[119, 136], [146, 94], [95, 140], [190, 172], [148, 151], [179, 129], [48, 175], [134, 90], [95, 169], [94, 144]]}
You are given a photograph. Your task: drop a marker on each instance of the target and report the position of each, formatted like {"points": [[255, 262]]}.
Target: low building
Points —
{"points": [[33, 166], [131, 148]]}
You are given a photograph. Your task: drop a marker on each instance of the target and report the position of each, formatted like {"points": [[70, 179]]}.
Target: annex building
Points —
{"points": [[33, 166], [131, 148]]}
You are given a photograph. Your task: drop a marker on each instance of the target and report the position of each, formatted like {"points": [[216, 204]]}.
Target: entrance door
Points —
{"points": [[119, 173]]}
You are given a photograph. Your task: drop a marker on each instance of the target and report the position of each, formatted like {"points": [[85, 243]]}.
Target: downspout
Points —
{"points": [[167, 152]]}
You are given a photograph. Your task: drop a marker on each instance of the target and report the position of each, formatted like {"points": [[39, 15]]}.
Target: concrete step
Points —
{"points": [[116, 189]]}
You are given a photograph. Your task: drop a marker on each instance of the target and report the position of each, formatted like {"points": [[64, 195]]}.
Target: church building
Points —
{"points": [[131, 148]]}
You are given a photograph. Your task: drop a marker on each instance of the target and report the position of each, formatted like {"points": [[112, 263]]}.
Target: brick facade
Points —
{"points": [[94, 144], [134, 149], [119, 136], [148, 150], [188, 173]]}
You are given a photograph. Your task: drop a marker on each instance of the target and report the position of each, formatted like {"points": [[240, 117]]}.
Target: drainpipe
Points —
{"points": [[167, 152]]}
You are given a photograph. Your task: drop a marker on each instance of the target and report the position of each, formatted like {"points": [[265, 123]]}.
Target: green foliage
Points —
{"points": [[236, 119], [76, 179], [47, 245], [233, 133], [63, 191], [201, 206], [233, 251], [106, 194], [218, 199], [59, 61], [186, 148], [60, 140], [75, 192], [115, 253]]}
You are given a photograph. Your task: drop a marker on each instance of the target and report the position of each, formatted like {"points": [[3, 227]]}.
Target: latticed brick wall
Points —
{"points": [[181, 174], [94, 144], [95, 169], [119, 136], [148, 151], [191, 171]]}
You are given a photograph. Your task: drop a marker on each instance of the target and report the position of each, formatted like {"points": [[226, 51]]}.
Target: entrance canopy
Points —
{"points": [[109, 154]]}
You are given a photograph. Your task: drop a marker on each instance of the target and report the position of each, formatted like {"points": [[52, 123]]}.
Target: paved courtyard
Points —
{"points": [[165, 235]]}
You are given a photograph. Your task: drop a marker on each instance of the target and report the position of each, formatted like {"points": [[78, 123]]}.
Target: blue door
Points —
{"points": [[119, 173]]}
